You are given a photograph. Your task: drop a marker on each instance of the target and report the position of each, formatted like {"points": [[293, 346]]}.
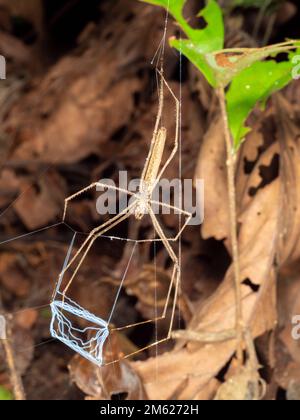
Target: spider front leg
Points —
{"points": [[100, 230], [91, 186], [177, 129]]}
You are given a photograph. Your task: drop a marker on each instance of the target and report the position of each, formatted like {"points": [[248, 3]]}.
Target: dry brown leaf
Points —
{"points": [[9, 186], [23, 348], [240, 387], [31, 10], [289, 140], [26, 318], [288, 378], [12, 276], [14, 49], [38, 207], [110, 381], [211, 168], [289, 306]]}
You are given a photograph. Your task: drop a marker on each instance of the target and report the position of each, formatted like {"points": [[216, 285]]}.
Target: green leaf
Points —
{"points": [[5, 395], [251, 80], [200, 42], [210, 38], [195, 56], [204, 47], [253, 85]]}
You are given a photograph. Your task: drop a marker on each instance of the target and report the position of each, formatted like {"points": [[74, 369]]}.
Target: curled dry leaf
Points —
{"points": [[105, 383]]}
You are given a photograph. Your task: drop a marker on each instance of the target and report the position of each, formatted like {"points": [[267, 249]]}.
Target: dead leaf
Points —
{"points": [[212, 168], [107, 382], [23, 348], [37, 207], [26, 319], [12, 275], [240, 387], [258, 241]]}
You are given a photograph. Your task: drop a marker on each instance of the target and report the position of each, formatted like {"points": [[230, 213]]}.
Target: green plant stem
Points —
{"points": [[233, 225]]}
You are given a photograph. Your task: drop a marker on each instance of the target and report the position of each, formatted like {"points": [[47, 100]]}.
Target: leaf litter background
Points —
{"points": [[78, 105]]}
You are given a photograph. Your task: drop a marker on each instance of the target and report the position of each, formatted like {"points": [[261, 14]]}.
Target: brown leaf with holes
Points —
{"points": [[38, 206]]}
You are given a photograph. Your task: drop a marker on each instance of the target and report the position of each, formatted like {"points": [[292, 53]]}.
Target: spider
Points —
{"points": [[141, 203]]}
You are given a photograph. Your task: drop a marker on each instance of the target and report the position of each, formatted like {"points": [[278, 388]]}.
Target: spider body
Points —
{"points": [[150, 173], [141, 203]]}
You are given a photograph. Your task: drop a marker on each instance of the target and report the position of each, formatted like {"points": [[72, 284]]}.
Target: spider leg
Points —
{"points": [[175, 281], [187, 214], [91, 186], [156, 127], [176, 140], [107, 224], [175, 260], [159, 318], [126, 213], [188, 218]]}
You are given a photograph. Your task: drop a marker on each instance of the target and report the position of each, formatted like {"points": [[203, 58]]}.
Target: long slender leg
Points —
{"points": [[163, 340], [160, 318], [175, 279], [91, 186], [155, 132], [183, 212], [94, 231], [176, 140], [174, 270], [176, 274], [175, 260], [116, 222]]}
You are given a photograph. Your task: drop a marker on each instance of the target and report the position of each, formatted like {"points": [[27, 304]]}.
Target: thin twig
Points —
{"points": [[260, 18], [269, 29], [204, 336], [15, 378], [233, 225]]}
